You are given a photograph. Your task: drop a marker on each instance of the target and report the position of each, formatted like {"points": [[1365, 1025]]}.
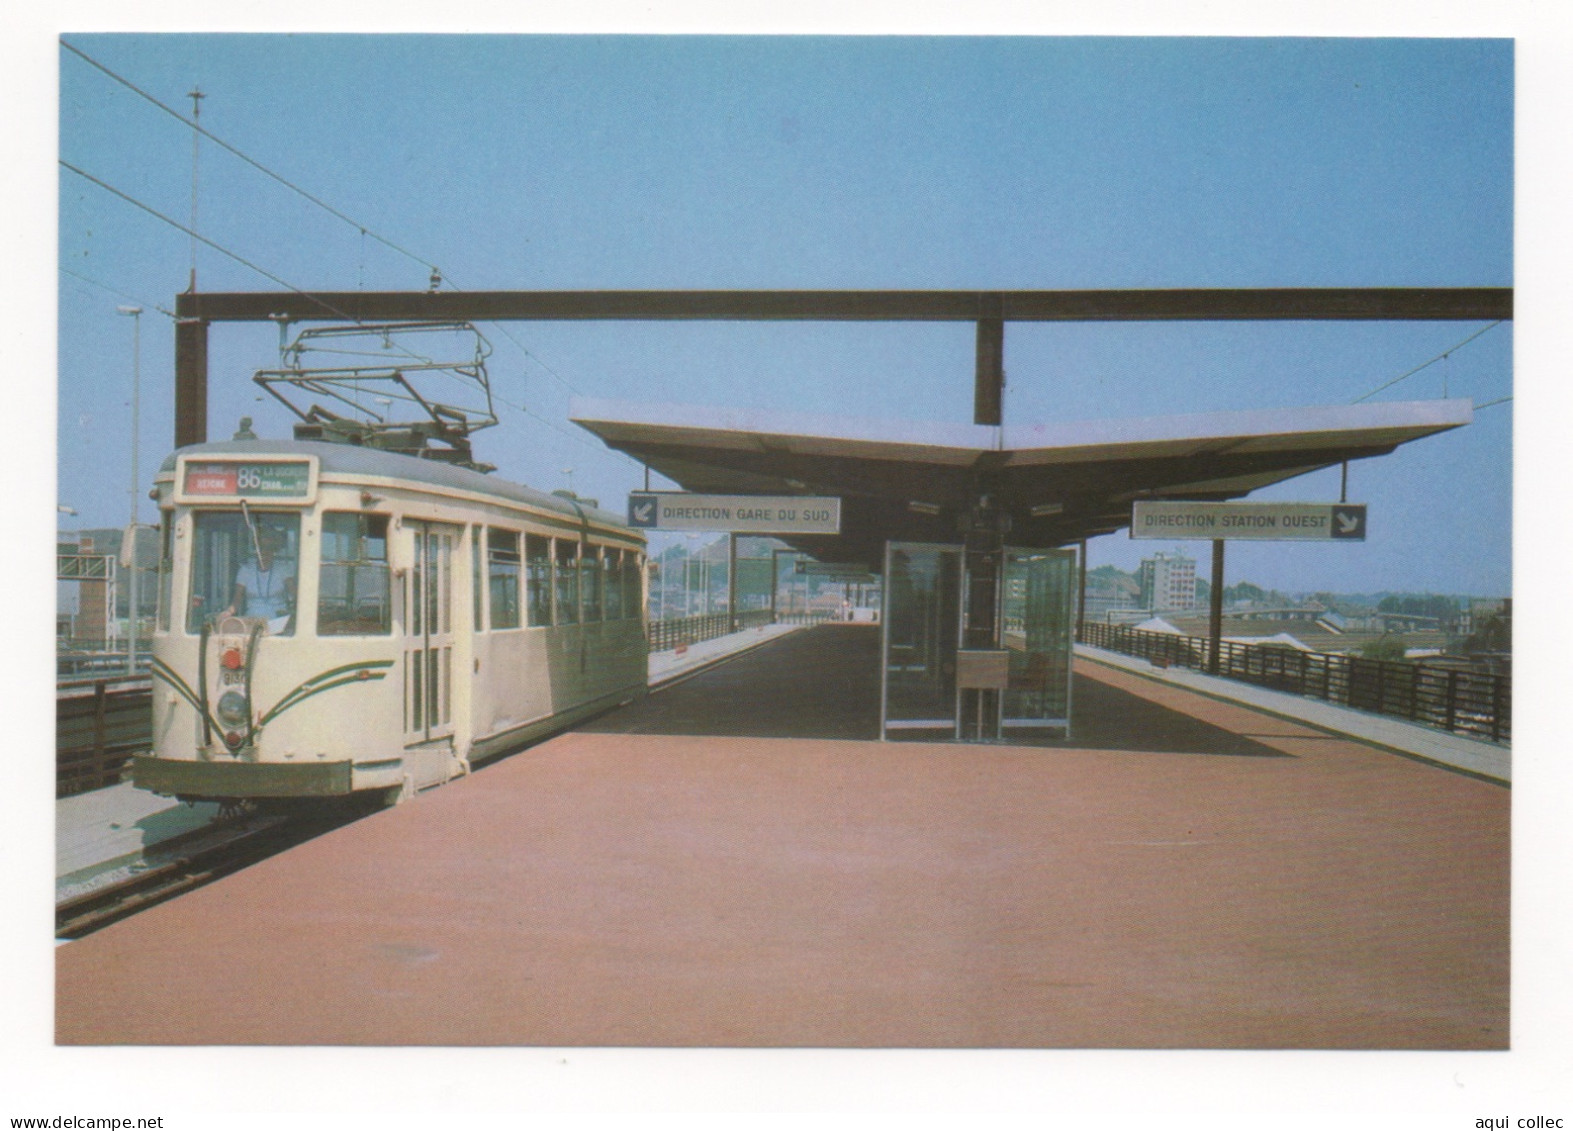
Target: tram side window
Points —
{"points": [[590, 572], [538, 579], [611, 574], [243, 564], [354, 587], [502, 571], [567, 581]]}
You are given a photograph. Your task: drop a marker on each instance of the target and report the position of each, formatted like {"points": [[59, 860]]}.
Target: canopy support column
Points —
{"points": [[1215, 612], [989, 390], [191, 381]]}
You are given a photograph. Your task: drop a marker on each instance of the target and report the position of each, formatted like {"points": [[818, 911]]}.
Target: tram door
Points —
{"points": [[428, 628]]}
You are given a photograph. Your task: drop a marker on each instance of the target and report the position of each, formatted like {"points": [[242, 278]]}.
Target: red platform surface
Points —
{"points": [[665, 889]]}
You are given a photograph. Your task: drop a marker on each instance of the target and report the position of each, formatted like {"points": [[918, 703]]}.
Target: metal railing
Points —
{"points": [[1477, 704], [664, 635], [99, 723], [812, 616], [82, 663]]}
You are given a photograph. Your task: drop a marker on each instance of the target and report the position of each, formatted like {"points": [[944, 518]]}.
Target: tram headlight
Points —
{"points": [[232, 708]]}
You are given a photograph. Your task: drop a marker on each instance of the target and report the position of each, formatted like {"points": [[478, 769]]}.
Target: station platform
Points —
{"points": [[105, 834], [1470, 755], [1185, 873]]}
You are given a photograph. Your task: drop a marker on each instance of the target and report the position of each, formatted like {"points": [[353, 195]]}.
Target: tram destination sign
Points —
{"points": [[1261, 522], [736, 514], [205, 479]]}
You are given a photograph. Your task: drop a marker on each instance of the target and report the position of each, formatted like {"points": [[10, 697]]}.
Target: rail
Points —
{"points": [[1476, 704], [664, 635], [99, 724]]}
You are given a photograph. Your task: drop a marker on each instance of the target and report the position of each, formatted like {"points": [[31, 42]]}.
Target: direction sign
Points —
{"points": [[1261, 522], [737, 514]]}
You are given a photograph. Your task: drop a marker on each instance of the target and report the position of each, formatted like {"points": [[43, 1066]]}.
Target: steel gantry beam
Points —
{"points": [[989, 310]]}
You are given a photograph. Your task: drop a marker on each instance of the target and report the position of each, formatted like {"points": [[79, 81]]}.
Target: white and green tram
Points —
{"points": [[337, 620]]}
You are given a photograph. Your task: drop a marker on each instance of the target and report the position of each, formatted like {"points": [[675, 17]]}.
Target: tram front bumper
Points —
{"points": [[178, 778]]}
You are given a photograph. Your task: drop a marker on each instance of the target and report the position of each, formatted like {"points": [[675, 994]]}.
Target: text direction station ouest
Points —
{"points": [[1261, 522]]}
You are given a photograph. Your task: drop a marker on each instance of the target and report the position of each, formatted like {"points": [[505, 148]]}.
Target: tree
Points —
{"points": [[1387, 648]]}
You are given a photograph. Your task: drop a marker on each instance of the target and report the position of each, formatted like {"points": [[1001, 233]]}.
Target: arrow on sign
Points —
{"points": [[641, 510], [1349, 522]]}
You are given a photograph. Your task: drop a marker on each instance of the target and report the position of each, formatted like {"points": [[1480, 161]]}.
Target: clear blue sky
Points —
{"points": [[612, 162]]}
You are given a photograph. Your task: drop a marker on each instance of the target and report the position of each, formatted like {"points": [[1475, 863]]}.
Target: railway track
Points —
{"points": [[188, 863]]}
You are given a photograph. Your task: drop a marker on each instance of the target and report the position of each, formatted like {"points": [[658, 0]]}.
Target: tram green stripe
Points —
{"points": [[164, 672], [322, 681], [283, 706]]}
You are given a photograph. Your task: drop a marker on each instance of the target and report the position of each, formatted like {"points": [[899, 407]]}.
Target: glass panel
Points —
{"points": [[476, 588], [503, 572], [633, 592], [447, 684], [354, 581], [922, 619], [1038, 628], [612, 582], [244, 566], [590, 583], [444, 583], [417, 601], [567, 581], [433, 686], [434, 586], [538, 578], [417, 686], [166, 567]]}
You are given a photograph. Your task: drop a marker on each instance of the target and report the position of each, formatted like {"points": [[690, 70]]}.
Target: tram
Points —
{"points": [[340, 620]]}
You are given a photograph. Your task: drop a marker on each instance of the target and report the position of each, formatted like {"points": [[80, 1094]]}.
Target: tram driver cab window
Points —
{"points": [[244, 565]]}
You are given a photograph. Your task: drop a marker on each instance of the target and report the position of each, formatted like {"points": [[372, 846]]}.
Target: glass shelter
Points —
{"points": [[933, 688]]}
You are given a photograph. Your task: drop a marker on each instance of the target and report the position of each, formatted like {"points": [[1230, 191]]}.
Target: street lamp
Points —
{"points": [[130, 556]]}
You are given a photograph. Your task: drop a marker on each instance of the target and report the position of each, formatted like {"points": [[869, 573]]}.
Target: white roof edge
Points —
{"points": [[711, 418], [1431, 415], [1425, 415]]}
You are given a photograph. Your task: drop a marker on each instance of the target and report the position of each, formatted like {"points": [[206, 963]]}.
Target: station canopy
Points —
{"points": [[1058, 483]]}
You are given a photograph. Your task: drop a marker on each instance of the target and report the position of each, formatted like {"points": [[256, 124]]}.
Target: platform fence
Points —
{"points": [[664, 635], [1476, 704], [99, 724]]}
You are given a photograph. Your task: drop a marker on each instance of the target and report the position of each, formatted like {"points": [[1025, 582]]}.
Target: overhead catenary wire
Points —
{"points": [[1423, 365], [328, 307], [259, 166], [364, 231], [117, 291]]}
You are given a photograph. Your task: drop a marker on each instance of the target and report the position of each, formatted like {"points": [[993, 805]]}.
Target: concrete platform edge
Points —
{"points": [[1359, 725], [659, 680]]}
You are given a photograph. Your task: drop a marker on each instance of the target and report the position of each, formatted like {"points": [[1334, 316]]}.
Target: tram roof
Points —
{"points": [[1080, 477], [350, 459]]}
